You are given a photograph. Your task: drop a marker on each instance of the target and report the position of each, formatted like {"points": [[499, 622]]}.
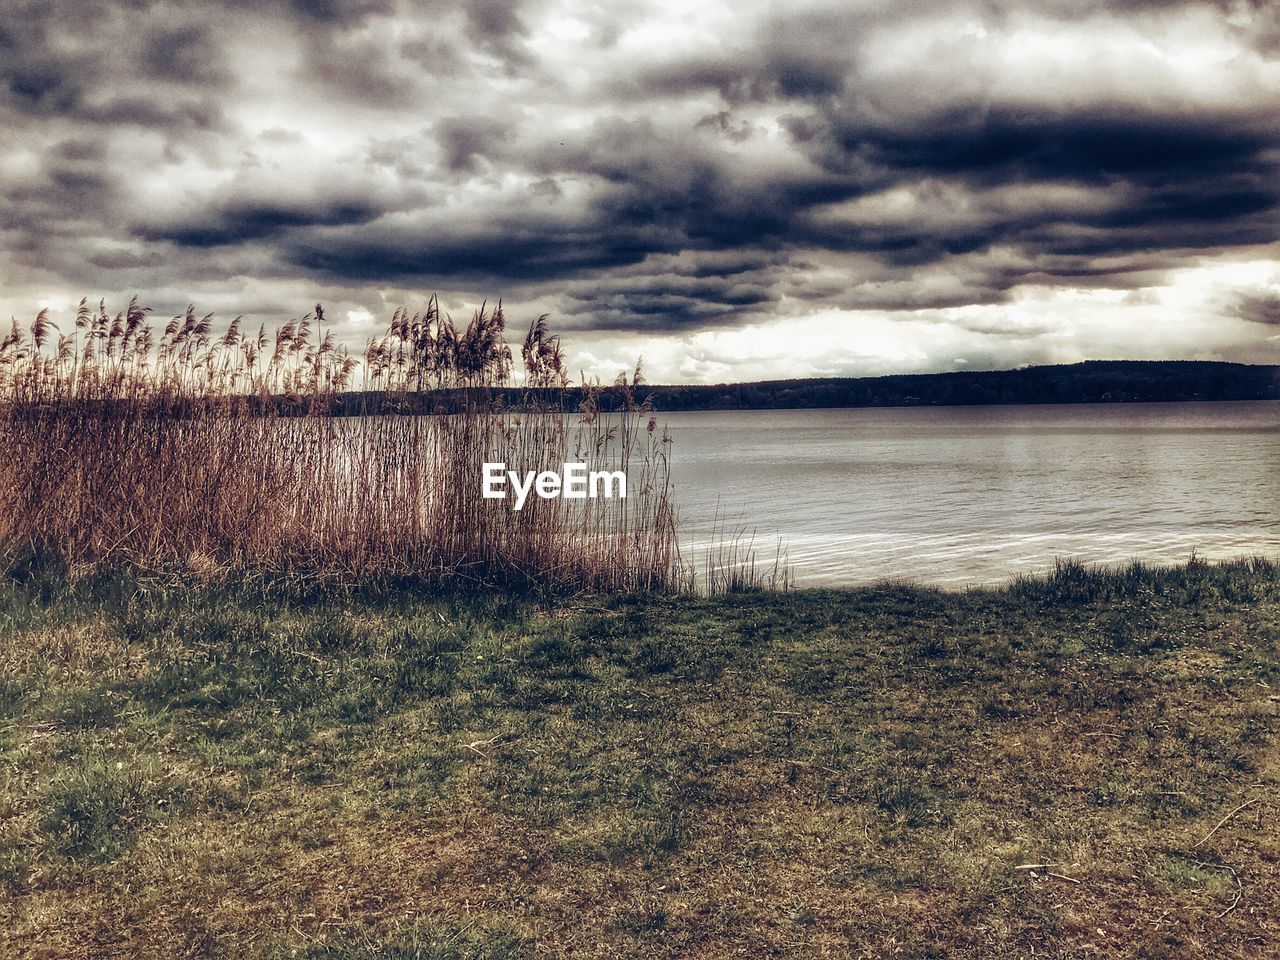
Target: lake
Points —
{"points": [[969, 495]]}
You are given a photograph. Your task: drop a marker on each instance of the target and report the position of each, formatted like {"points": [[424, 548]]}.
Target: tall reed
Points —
{"points": [[205, 451]]}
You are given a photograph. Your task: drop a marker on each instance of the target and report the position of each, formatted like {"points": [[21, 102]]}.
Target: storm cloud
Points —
{"points": [[652, 170]]}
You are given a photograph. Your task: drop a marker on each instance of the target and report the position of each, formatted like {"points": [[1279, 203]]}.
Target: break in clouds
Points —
{"points": [[736, 190]]}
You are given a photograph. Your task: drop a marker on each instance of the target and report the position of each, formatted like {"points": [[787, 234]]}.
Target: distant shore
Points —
{"points": [[1092, 381]]}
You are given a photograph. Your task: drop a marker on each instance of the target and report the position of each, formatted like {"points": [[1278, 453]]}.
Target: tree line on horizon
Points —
{"points": [[1092, 381]]}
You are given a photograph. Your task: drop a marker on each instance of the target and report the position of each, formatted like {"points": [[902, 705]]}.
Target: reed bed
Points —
{"points": [[210, 452]]}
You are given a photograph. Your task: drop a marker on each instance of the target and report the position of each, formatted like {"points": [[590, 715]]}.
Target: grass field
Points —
{"points": [[214, 770]]}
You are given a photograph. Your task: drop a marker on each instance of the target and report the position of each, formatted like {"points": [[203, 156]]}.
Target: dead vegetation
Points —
{"points": [[215, 452]]}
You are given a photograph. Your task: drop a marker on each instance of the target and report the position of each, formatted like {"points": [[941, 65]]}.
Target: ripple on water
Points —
{"points": [[957, 496]]}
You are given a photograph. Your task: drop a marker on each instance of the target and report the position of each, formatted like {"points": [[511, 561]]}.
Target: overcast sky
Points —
{"points": [[736, 190]]}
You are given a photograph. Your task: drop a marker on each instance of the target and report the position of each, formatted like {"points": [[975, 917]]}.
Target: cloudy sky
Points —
{"points": [[735, 190]]}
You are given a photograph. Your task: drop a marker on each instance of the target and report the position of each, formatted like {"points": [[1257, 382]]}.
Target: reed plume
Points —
{"points": [[192, 450]]}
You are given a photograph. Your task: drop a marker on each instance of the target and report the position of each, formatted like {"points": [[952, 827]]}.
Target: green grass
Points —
{"points": [[255, 770]]}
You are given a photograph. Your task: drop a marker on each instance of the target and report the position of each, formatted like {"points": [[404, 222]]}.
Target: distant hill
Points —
{"points": [[1093, 381]]}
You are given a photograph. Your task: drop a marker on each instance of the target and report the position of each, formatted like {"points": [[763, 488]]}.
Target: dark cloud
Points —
{"points": [[434, 55], [676, 291], [1263, 308], [897, 157], [186, 54], [367, 70], [496, 26], [467, 141], [1089, 144], [518, 251], [243, 222], [111, 64], [333, 13]]}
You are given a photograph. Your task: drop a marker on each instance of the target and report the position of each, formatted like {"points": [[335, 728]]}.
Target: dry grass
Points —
{"points": [[233, 772], [216, 452]]}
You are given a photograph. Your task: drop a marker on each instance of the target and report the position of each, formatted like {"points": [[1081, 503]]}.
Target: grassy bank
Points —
{"points": [[215, 771]]}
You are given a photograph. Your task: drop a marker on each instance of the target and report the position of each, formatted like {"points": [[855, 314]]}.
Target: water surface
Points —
{"points": [[967, 495]]}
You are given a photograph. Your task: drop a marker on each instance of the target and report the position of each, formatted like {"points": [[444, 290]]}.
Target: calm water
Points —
{"points": [[963, 495]]}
